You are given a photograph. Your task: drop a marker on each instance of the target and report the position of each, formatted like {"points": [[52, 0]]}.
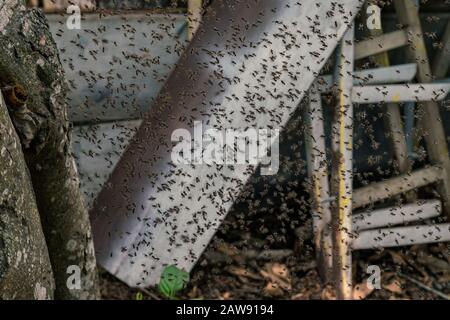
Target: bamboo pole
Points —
{"points": [[194, 16], [431, 122], [400, 93], [401, 236], [441, 61], [392, 74], [394, 186], [393, 121], [55, 6], [387, 217], [32, 3], [381, 43], [320, 188], [342, 175], [50, 6]]}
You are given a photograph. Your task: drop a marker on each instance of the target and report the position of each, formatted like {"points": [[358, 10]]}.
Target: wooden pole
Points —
{"points": [[387, 217], [194, 16], [55, 6], [400, 93], [392, 74], [342, 175], [381, 43], [441, 61], [32, 3], [50, 6], [402, 236], [320, 188], [431, 122], [393, 121], [394, 186]]}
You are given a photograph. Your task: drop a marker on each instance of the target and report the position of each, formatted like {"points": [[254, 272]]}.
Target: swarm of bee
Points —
{"points": [[117, 65]]}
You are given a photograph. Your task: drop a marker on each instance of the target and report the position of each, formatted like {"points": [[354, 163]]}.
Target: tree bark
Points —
{"points": [[29, 60], [25, 270]]}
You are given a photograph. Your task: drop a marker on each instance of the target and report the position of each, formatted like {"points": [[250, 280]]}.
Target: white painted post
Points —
{"points": [[343, 170]]}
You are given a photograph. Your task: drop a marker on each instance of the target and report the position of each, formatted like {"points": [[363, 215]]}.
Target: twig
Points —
{"points": [[423, 286], [150, 294], [241, 256]]}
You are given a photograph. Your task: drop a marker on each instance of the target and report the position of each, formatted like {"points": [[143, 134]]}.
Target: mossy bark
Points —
{"points": [[29, 58], [25, 270]]}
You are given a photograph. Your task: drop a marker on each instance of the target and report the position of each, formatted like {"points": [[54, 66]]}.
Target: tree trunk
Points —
{"points": [[25, 271], [29, 60]]}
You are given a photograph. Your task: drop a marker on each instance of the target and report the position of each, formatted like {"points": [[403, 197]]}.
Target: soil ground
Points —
{"points": [[417, 272]]}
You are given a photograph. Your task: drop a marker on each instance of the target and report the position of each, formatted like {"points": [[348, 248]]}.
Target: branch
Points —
{"points": [[25, 270], [29, 59]]}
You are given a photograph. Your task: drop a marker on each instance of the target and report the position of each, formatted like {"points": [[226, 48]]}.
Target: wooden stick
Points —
{"points": [[32, 3], [401, 236], [50, 6], [55, 6], [320, 189], [435, 137], [385, 42], [400, 93], [149, 293], [441, 61], [343, 170], [392, 74], [194, 16], [394, 186], [385, 75], [393, 120], [242, 255], [421, 210], [425, 287]]}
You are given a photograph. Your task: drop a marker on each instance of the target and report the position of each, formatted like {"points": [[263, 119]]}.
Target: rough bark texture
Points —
{"points": [[25, 271], [29, 58]]}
